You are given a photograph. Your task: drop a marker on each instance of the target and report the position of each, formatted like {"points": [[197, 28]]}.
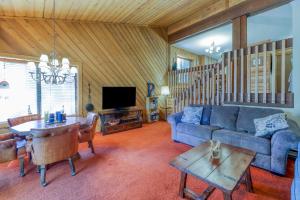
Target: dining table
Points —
{"points": [[24, 128]]}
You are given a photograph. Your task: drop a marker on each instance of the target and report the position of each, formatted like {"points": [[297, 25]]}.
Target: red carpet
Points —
{"points": [[129, 165]]}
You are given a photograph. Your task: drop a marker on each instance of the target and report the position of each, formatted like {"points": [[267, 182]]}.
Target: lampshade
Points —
{"points": [[31, 66], [165, 90], [44, 58]]}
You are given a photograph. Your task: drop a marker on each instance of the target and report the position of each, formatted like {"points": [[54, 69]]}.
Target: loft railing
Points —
{"points": [[257, 75]]}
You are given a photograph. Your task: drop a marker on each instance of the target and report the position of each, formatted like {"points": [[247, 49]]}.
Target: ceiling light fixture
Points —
{"points": [[49, 69]]}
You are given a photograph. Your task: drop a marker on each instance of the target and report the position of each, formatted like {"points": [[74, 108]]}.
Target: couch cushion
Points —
{"points": [[224, 117], [247, 115], [192, 115], [244, 140], [205, 119], [201, 131]]}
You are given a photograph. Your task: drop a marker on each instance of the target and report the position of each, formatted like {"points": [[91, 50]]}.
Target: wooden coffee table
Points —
{"points": [[225, 173]]}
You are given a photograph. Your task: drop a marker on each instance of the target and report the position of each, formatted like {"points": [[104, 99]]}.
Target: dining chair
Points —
{"points": [[20, 120], [9, 151], [87, 131], [52, 145]]}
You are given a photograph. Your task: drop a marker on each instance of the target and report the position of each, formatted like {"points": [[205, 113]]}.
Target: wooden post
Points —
{"points": [[242, 76], [273, 90], [208, 85], [256, 74], [265, 73], [203, 84], [223, 79], [235, 75], [228, 76], [249, 75], [282, 72], [218, 84]]}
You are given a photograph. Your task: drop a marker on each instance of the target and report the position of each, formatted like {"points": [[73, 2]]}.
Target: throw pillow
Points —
{"points": [[268, 125], [192, 115]]}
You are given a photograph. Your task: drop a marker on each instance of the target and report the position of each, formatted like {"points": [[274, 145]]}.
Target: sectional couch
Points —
{"points": [[234, 125]]}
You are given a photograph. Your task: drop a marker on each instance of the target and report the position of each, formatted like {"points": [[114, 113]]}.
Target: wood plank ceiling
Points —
{"points": [[139, 12]]}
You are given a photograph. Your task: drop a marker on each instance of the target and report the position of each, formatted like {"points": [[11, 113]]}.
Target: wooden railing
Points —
{"points": [[257, 75]]}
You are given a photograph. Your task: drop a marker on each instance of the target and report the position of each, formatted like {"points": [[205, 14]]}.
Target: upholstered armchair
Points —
{"points": [[19, 120], [52, 145], [9, 151], [87, 131]]}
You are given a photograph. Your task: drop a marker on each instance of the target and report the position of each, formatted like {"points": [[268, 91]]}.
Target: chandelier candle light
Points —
{"points": [[49, 69]]}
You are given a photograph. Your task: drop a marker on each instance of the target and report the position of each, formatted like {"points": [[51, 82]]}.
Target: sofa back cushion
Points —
{"points": [[205, 119], [246, 116], [224, 117]]}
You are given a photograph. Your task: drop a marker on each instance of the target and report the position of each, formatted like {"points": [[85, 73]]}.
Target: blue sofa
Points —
{"points": [[234, 125], [295, 191]]}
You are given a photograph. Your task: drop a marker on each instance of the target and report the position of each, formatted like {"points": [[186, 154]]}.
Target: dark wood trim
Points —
{"points": [[245, 8]]}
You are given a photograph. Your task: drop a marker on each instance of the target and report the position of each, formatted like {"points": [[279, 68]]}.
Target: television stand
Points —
{"points": [[120, 120]]}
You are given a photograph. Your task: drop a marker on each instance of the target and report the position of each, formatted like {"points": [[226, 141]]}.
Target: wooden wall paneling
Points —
{"points": [[111, 54]]}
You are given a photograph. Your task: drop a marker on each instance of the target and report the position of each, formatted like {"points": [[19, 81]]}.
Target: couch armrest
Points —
{"points": [[173, 120], [281, 142]]}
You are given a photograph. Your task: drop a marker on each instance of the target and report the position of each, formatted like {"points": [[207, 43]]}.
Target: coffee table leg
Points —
{"points": [[227, 196], [182, 185], [249, 180]]}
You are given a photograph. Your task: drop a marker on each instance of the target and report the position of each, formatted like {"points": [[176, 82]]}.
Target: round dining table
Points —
{"points": [[24, 128]]}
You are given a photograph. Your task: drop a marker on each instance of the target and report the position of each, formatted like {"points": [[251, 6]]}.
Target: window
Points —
{"points": [[23, 92], [183, 63]]}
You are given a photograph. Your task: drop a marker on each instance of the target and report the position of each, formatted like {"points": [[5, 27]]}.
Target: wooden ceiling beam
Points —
{"points": [[245, 8]]}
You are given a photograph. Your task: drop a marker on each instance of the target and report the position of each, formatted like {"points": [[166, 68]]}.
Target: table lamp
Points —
{"points": [[165, 91]]}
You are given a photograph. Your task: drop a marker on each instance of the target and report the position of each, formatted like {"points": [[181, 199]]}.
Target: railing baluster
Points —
{"points": [[228, 76], [242, 76], [218, 84], [256, 75], [234, 75], [207, 85], [203, 85], [282, 72], [223, 79], [274, 63], [213, 81], [249, 75], [265, 73]]}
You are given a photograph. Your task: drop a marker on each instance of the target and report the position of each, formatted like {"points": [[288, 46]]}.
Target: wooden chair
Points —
{"points": [[22, 119], [9, 151], [88, 130], [52, 145]]}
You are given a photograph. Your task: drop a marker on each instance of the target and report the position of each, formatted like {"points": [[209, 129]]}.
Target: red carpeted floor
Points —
{"points": [[129, 165]]}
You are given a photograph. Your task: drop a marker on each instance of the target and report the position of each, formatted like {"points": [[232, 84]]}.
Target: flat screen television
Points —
{"points": [[118, 97]]}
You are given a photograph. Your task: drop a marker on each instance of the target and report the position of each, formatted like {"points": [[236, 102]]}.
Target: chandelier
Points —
{"points": [[213, 49], [49, 69]]}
